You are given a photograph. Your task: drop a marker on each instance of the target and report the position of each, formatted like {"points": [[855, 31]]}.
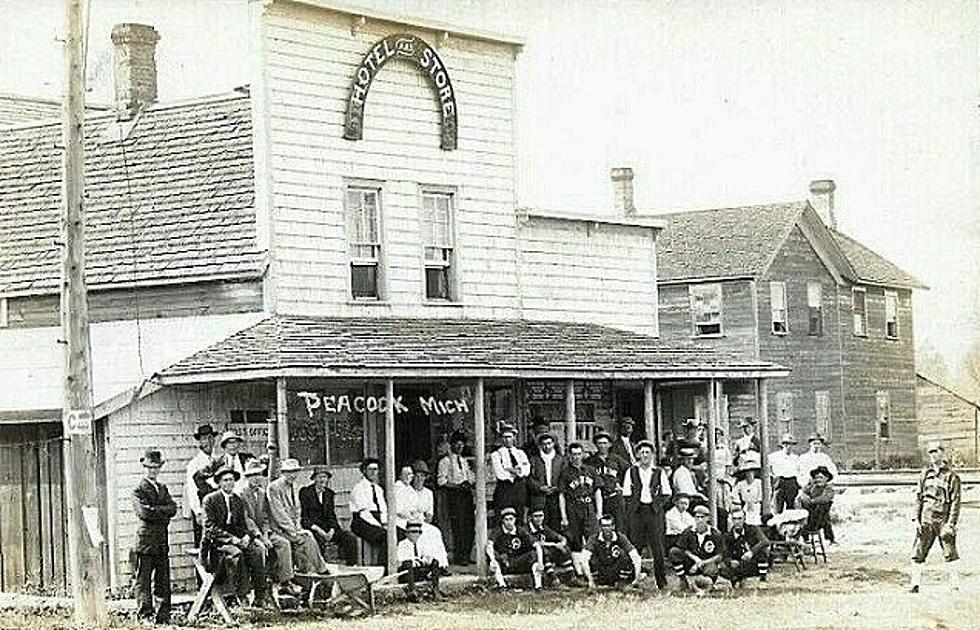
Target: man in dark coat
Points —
{"points": [[542, 484], [699, 554], [227, 548], [154, 508], [319, 516], [748, 549], [623, 446]]}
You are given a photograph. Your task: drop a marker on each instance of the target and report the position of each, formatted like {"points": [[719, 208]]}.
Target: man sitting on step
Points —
{"points": [[512, 551], [417, 558]]}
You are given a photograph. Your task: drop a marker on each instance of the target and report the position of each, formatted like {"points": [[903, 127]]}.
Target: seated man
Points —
{"points": [[284, 515], [417, 559], [279, 553], [318, 515], [613, 560], [748, 550], [554, 546], [699, 554], [512, 551], [368, 509], [414, 502], [227, 549], [678, 519], [817, 497]]}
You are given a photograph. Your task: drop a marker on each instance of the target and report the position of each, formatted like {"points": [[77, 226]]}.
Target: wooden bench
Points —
{"points": [[355, 584], [205, 592]]}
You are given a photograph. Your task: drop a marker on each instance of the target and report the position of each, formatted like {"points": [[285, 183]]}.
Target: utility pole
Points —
{"points": [[84, 530]]}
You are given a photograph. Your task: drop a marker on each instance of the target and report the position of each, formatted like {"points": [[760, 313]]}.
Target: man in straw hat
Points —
{"points": [[646, 490], [416, 557], [937, 510], [784, 469], [285, 514], [279, 553], [153, 508], [511, 550], [510, 469], [196, 487]]}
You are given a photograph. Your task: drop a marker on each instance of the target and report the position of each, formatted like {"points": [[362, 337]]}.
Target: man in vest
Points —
{"points": [[699, 555], [510, 469], [610, 468], [646, 490], [937, 510], [748, 550], [612, 558]]}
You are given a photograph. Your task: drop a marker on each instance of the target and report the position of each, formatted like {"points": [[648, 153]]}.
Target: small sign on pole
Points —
{"points": [[79, 421]]}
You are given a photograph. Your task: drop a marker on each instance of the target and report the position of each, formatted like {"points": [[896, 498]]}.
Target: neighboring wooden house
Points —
{"points": [[16, 109], [775, 282], [950, 417]]}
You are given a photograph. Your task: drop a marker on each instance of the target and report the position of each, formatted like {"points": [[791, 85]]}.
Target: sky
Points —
{"points": [[713, 103]]}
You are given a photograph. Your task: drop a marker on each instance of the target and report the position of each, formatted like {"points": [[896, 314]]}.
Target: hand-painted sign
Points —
{"points": [[79, 421], [329, 403], [413, 49]]}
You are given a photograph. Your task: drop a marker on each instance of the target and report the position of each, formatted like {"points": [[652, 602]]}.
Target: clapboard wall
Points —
{"points": [[950, 418], [309, 60]]}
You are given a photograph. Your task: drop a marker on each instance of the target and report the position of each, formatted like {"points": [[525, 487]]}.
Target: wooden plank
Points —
{"points": [[59, 523], [11, 519], [46, 529], [31, 514], [569, 412], [480, 451]]}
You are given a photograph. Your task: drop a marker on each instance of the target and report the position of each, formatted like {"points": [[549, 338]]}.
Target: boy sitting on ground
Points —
{"points": [[554, 546]]}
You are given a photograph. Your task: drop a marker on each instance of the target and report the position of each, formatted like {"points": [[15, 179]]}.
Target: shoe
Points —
{"points": [[444, 572], [914, 589]]}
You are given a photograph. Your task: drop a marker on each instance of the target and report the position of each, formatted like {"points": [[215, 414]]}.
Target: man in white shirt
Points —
{"points": [[683, 478], [285, 517], [413, 502], [369, 512], [678, 519], [416, 558], [814, 458], [784, 469], [196, 488], [510, 469], [748, 442], [455, 477], [546, 468], [646, 490]]}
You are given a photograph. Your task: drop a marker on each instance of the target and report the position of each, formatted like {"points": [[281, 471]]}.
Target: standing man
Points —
{"points": [[369, 511], [455, 478], [646, 490], [539, 427], [285, 515], [317, 514], [784, 469], [153, 508], [196, 487], [610, 468], [748, 550], [937, 509], [623, 445], [814, 458], [546, 469], [278, 552], [233, 456], [748, 442], [580, 503], [511, 469]]}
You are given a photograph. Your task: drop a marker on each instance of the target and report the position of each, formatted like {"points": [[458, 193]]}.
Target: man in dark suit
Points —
{"points": [[542, 484], [227, 548], [623, 446], [154, 508], [316, 503]]}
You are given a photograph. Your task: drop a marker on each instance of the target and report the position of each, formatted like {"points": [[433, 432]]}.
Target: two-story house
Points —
{"points": [[780, 283]]}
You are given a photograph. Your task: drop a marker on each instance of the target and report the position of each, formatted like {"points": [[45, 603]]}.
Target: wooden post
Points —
{"points": [[81, 462], [658, 422], [278, 442], [569, 412], [712, 423], [762, 405], [649, 417], [390, 476], [480, 448]]}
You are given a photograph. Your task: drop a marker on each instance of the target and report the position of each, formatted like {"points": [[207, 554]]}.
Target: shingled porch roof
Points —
{"points": [[403, 347]]}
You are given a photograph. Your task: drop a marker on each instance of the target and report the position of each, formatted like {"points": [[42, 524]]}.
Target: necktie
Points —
{"points": [[374, 497], [415, 546], [461, 475], [513, 458]]}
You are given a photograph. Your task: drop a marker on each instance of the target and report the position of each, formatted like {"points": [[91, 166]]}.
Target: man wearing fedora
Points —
{"points": [[646, 490], [318, 514], [817, 496], [228, 549], [623, 445], [455, 480], [610, 468], [195, 486], [510, 470], [279, 553], [154, 508], [784, 469], [937, 510], [542, 484], [285, 514]]}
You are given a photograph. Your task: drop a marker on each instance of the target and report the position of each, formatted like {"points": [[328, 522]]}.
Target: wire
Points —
{"points": [[132, 241]]}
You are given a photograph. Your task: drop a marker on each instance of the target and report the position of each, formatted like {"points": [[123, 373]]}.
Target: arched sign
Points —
{"points": [[410, 48]]}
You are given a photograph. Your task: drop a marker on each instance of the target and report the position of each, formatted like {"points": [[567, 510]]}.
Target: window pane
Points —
{"points": [[437, 283], [814, 294], [706, 308], [436, 210], [364, 281], [816, 320], [822, 402]]}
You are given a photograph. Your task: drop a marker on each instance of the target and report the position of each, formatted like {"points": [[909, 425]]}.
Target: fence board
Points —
{"points": [[33, 531], [45, 479], [11, 518]]}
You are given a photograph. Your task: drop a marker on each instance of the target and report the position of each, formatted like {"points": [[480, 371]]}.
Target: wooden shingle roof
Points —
{"points": [[17, 109], [172, 202], [873, 268], [323, 346]]}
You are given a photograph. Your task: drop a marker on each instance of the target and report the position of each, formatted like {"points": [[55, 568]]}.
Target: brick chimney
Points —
{"points": [[822, 200], [622, 182], [135, 67]]}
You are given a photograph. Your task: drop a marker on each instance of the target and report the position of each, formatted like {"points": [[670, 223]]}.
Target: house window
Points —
{"points": [[706, 309], [437, 234], [364, 241], [784, 411], [814, 301], [822, 406], [777, 302], [884, 412], [859, 309], [891, 314]]}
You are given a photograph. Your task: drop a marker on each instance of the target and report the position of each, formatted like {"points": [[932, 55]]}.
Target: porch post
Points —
{"points": [[390, 476], [569, 412], [658, 421], [712, 423], [649, 417], [762, 405], [480, 446], [278, 444]]}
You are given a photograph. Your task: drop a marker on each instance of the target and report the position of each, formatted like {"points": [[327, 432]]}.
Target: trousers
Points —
{"points": [[153, 579]]}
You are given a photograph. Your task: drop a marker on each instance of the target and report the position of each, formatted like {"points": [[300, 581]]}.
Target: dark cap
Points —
{"points": [[321, 470], [508, 511], [204, 430], [152, 458], [545, 436], [822, 470], [226, 470], [601, 434], [457, 436], [701, 508], [605, 519]]}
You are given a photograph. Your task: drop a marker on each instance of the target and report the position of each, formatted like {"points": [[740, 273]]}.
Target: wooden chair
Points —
{"points": [[787, 551], [205, 592], [814, 541]]}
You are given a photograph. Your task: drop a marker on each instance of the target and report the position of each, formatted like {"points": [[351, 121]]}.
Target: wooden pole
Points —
{"points": [[762, 403], [658, 422], [569, 412], [650, 418], [278, 442], [81, 484], [712, 423], [390, 476], [480, 447]]}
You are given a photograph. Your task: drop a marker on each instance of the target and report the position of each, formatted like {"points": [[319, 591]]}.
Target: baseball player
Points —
{"points": [[699, 555], [579, 503]]}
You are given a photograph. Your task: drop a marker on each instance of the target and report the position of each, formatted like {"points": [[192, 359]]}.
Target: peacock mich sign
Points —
{"points": [[415, 50]]}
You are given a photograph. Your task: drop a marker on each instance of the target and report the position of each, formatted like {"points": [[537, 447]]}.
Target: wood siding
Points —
{"points": [[310, 59], [737, 317], [949, 418], [571, 270], [177, 300]]}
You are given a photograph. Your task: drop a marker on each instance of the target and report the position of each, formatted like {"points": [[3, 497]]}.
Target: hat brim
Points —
{"points": [[218, 476], [151, 464]]}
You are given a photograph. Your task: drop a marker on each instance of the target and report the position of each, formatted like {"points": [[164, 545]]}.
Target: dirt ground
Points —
{"points": [[863, 586]]}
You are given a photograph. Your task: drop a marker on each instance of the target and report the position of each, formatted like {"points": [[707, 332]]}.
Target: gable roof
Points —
{"points": [[17, 110], [373, 347], [947, 389], [171, 202], [742, 242]]}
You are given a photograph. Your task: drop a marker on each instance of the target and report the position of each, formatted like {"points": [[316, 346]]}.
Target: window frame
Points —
{"points": [[772, 309], [883, 420], [893, 295], [692, 291], [784, 410], [378, 260], [823, 424], [864, 311], [814, 311], [452, 264]]}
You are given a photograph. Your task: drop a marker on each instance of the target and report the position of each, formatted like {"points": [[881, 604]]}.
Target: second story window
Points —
{"points": [[706, 309], [814, 300], [891, 314], [777, 303], [437, 235], [364, 241], [859, 311]]}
